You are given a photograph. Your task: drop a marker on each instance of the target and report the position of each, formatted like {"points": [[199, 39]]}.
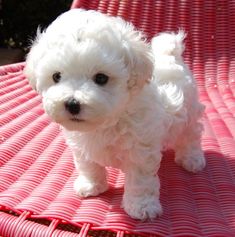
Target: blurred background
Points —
{"points": [[19, 20]]}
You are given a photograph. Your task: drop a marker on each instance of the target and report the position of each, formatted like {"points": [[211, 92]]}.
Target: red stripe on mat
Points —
{"points": [[36, 167]]}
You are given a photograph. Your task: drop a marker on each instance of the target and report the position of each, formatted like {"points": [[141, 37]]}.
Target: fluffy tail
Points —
{"points": [[170, 72], [167, 49], [168, 44]]}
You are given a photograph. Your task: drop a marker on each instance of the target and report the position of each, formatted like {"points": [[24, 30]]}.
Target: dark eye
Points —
{"points": [[101, 79], [56, 77]]}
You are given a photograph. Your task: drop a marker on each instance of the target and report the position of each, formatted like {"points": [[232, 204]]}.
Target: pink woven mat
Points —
{"points": [[36, 167]]}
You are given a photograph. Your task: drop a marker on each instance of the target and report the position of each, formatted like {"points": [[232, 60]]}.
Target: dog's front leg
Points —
{"points": [[142, 186], [91, 180]]}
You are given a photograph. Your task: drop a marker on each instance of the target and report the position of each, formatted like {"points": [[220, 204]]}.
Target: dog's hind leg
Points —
{"points": [[188, 151]]}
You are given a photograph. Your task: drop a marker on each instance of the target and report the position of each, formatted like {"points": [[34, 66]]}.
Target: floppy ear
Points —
{"points": [[32, 59], [29, 69], [139, 60]]}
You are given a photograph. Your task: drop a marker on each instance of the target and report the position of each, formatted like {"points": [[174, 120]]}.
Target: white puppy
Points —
{"points": [[120, 101]]}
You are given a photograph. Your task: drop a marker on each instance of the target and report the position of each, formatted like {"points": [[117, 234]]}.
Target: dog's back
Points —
{"points": [[175, 83]]}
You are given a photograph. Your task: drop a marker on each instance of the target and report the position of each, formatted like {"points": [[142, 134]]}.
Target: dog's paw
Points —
{"points": [[193, 163], [142, 207], [85, 187]]}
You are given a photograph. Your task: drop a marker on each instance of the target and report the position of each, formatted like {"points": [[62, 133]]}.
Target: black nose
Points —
{"points": [[73, 106]]}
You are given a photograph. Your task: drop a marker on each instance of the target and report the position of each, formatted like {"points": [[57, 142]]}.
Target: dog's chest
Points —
{"points": [[114, 152], [107, 148]]}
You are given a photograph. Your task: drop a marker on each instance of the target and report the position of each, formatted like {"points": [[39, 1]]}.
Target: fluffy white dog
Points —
{"points": [[120, 100]]}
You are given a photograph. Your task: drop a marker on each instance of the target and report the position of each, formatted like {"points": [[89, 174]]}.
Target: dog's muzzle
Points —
{"points": [[72, 106]]}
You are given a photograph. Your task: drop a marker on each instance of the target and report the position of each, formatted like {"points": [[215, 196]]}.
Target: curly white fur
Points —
{"points": [[150, 102]]}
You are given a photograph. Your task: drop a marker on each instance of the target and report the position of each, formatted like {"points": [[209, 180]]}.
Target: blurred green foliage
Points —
{"points": [[19, 19]]}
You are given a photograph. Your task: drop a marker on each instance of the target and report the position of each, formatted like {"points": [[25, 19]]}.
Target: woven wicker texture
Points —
{"points": [[36, 168]]}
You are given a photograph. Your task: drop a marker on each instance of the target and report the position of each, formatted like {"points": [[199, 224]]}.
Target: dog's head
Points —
{"points": [[87, 67]]}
